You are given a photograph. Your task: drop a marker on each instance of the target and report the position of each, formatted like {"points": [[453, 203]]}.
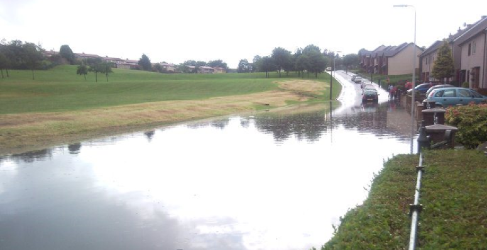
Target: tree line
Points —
{"points": [[309, 59], [189, 66], [18, 55]]}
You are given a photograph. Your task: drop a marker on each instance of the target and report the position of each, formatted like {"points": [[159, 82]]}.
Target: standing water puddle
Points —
{"points": [[270, 181]]}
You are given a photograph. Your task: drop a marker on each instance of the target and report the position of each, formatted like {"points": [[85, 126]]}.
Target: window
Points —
{"points": [[475, 94], [474, 48], [449, 93], [464, 93], [469, 48], [426, 60]]}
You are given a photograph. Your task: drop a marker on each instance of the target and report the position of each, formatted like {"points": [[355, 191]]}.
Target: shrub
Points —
{"points": [[465, 85], [471, 121]]}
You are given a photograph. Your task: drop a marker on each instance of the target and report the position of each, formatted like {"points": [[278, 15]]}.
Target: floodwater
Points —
{"points": [[274, 180]]}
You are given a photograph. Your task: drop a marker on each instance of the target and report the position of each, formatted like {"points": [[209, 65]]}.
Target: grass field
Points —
{"points": [[61, 89], [60, 106]]}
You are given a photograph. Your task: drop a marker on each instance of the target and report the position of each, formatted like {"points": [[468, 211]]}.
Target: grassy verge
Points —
{"points": [[60, 107], [453, 194]]}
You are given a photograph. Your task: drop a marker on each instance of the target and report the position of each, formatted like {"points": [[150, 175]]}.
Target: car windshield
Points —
{"points": [[370, 91]]}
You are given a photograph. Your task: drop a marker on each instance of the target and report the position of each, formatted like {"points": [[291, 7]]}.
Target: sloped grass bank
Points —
{"points": [[454, 198], [60, 107]]}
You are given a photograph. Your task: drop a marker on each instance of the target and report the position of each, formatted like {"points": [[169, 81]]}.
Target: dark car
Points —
{"points": [[370, 95], [422, 88], [450, 96]]}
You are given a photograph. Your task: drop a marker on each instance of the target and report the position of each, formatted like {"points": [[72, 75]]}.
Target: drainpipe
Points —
{"points": [[485, 63]]}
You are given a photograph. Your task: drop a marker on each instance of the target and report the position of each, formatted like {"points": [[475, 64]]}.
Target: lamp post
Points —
{"points": [[332, 74], [414, 73]]}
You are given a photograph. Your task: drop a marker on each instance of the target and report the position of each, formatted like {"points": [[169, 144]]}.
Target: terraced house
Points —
{"points": [[468, 47], [390, 60], [473, 45]]}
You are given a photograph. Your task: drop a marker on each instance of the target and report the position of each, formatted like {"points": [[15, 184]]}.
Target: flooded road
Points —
{"points": [[274, 180]]}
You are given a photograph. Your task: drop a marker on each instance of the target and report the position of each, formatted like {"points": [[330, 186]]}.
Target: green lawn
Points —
{"points": [[453, 194], [60, 89]]}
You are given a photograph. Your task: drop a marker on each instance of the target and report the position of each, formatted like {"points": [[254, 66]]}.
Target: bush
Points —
{"points": [[471, 122], [465, 85]]}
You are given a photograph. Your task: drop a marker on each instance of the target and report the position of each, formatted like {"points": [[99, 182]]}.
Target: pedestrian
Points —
{"points": [[390, 91], [409, 85]]}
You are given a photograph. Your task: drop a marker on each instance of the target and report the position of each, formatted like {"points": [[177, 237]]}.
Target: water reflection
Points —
{"points": [[304, 126], [263, 181], [74, 148], [149, 134]]}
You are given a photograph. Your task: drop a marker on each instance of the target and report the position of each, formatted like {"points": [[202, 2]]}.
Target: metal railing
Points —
{"points": [[416, 207]]}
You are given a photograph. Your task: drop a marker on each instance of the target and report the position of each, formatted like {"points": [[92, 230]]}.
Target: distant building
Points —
{"points": [[219, 70], [390, 60], [169, 67], [83, 56], [128, 64], [50, 53]]}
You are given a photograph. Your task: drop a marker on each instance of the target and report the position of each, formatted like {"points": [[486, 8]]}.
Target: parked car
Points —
{"points": [[370, 94], [357, 79], [438, 86], [328, 69], [449, 96], [421, 88], [353, 78]]}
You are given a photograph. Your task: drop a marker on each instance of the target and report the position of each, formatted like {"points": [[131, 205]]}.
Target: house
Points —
{"points": [[113, 60], [128, 64], [50, 53], [390, 60], [205, 70], [169, 67], [428, 57], [473, 48], [219, 70], [426, 61], [83, 56]]}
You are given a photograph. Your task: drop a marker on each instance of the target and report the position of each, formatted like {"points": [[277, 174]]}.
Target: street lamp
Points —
{"points": [[332, 74], [414, 72]]}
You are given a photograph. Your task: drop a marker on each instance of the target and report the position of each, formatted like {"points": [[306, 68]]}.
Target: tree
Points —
{"points": [[82, 70], [218, 63], [106, 68], [350, 61], [3, 63], [96, 65], [66, 53], [14, 53], [158, 68], [310, 48], [268, 65], [144, 63], [316, 62], [32, 56], [282, 58], [243, 66], [257, 64], [302, 63], [443, 65]]}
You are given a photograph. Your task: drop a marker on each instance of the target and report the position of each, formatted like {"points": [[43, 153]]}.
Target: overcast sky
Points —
{"points": [[175, 31]]}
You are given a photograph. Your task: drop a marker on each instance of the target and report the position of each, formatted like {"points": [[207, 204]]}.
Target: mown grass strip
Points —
{"points": [[453, 194]]}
